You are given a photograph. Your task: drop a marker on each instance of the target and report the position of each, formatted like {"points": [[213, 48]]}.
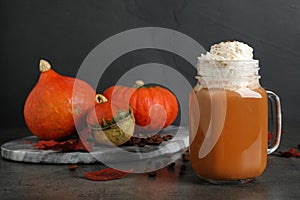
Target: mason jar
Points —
{"points": [[229, 120]]}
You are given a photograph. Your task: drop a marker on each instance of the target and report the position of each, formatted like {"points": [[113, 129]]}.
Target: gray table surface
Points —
{"points": [[281, 179]]}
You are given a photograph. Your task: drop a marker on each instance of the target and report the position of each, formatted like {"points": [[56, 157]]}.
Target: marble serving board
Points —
{"points": [[21, 150]]}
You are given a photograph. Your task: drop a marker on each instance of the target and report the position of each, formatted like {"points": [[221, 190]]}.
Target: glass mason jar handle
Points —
{"points": [[276, 120]]}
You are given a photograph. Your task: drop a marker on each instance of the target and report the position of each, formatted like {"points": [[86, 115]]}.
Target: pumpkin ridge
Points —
{"points": [[140, 106], [175, 108], [166, 106], [155, 91], [152, 92]]}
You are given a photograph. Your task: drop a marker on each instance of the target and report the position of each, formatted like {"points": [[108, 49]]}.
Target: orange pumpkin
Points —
{"points": [[153, 107], [51, 109], [111, 124]]}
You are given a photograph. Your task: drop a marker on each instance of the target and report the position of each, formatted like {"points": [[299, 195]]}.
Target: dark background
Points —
{"points": [[64, 32]]}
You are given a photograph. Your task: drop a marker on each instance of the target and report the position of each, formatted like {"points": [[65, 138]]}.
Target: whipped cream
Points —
{"points": [[229, 64], [228, 51]]}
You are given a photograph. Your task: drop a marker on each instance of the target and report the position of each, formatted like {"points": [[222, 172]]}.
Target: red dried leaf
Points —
{"points": [[294, 152], [291, 153], [106, 174], [72, 167], [68, 145], [45, 144], [285, 154]]}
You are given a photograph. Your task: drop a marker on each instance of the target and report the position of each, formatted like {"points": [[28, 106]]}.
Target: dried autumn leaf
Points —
{"points": [[45, 144], [285, 154], [291, 153], [68, 145], [72, 167], [106, 174]]}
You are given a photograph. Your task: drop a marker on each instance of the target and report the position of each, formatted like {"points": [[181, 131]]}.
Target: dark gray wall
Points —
{"points": [[64, 32]]}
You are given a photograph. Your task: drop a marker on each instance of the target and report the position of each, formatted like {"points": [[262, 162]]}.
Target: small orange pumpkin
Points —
{"points": [[111, 124], [51, 108], [153, 107]]}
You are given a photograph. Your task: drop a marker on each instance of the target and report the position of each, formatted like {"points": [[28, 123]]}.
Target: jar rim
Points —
{"points": [[244, 68], [228, 61], [223, 78]]}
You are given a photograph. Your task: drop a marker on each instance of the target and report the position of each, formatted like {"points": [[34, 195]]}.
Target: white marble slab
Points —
{"points": [[21, 150]]}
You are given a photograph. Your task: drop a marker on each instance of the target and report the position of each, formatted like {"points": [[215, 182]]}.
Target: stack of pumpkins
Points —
{"points": [[58, 105]]}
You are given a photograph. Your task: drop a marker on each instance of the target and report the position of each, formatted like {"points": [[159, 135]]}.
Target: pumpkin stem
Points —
{"points": [[138, 84], [100, 98], [44, 65]]}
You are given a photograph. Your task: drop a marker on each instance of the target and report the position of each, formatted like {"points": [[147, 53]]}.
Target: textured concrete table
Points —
{"points": [[281, 180]]}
